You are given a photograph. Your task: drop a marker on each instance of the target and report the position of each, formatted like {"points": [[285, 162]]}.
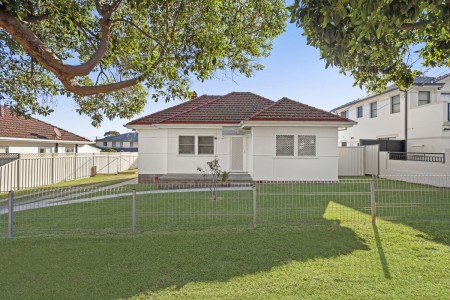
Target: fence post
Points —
{"points": [[18, 173], [373, 208], [133, 211], [11, 214], [254, 206]]}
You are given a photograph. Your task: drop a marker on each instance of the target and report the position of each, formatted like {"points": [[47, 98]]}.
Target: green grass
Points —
{"points": [[344, 260]]}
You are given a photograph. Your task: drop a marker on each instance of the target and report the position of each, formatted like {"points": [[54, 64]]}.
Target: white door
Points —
{"points": [[237, 154]]}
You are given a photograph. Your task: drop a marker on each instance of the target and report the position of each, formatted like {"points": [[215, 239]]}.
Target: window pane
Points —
{"points": [[285, 145], [395, 104], [205, 149], [186, 149], [306, 145], [187, 140], [344, 114], [373, 110], [360, 112], [186, 145], [424, 98]]}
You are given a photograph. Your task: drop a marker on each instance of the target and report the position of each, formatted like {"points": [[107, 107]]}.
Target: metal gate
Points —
{"points": [[371, 160]]}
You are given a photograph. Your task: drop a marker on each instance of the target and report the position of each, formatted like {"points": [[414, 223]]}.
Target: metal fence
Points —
{"points": [[140, 208], [34, 170], [418, 156]]}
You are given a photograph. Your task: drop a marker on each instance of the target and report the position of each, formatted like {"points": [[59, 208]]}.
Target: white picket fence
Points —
{"points": [[34, 170]]}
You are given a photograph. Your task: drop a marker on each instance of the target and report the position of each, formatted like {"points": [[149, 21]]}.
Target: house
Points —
{"points": [[127, 142], [247, 133], [418, 118], [29, 135]]}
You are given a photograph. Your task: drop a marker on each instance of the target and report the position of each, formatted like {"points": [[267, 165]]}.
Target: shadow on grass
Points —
{"points": [[122, 266], [383, 260]]}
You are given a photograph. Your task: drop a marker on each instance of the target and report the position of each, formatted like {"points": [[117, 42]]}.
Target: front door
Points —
{"points": [[237, 154]]}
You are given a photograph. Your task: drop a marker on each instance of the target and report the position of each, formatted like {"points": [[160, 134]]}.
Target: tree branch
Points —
{"points": [[146, 34], [80, 90], [413, 26], [35, 19]]}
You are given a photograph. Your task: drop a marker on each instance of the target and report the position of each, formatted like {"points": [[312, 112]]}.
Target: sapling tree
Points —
{"points": [[215, 172]]}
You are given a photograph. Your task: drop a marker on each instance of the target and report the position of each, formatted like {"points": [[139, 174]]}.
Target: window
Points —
{"points": [[114, 144], [45, 150], [424, 98], [373, 110], [3, 150], [344, 114], [306, 145], [395, 104], [70, 150], [285, 145], [105, 144], [186, 145], [344, 144], [131, 144], [205, 145], [359, 111], [121, 144]]}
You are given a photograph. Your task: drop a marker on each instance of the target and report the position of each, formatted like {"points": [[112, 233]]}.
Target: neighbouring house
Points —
{"points": [[249, 134], [127, 142], [416, 120], [29, 135]]}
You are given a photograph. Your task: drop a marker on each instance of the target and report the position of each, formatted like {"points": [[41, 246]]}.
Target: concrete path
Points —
{"points": [[70, 199]]}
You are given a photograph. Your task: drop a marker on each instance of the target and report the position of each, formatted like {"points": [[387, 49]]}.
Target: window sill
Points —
{"points": [[196, 155], [295, 157]]}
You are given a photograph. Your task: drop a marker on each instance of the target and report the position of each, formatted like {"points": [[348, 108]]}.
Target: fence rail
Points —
{"points": [[418, 156], [34, 170], [139, 208]]}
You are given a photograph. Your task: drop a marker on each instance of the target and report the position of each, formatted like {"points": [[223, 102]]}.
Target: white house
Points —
{"points": [[422, 121], [29, 135], [127, 142], [283, 140]]}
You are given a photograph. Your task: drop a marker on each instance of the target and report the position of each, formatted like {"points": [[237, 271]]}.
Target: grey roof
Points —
{"points": [[125, 137], [418, 81]]}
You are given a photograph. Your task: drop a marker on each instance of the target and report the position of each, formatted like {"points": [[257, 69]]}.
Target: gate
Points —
{"points": [[371, 160]]}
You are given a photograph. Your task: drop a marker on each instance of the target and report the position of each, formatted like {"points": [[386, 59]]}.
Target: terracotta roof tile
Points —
{"points": [[234, 108], [289, 110], [13, 126]]}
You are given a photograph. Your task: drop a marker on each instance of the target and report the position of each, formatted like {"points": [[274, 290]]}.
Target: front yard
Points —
{"points": [[313, 241]]}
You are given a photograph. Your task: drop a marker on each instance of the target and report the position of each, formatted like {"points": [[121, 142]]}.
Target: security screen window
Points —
{"points": [[306, 145], [285, 145]]}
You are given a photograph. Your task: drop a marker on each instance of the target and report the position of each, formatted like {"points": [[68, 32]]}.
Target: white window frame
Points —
{"points": [[344, 114], [114, 144], [70, 149], [105, 144], [198, 144], [179, 144], [421, 102], [293, 144], [121, 144], [45, 149], [315, 145], [4, 148], [296, 145]]}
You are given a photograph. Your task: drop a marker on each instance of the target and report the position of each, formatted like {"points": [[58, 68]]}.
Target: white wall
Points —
{"points": [[152, 151], [33, 147], [425, 122], [267, 166]]}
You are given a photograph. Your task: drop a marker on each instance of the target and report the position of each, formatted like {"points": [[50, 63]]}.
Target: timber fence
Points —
{"points": [[159, 207], [22, 171]]}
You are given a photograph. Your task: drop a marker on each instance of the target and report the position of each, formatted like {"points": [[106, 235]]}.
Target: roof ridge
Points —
{"points": [[191, 109], [59, 128], [263, 109]]}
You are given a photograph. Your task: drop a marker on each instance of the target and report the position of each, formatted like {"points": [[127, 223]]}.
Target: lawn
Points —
{"points": [[343, 260], [313, 241]]}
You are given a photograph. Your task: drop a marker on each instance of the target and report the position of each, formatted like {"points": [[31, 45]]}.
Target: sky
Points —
{"points": [[293, 70]]}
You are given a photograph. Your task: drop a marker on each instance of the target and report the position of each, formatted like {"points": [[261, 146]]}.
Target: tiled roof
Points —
{"points": [[234, 108], [418, 81], [13, 126], [125, 137], [289, 110]]}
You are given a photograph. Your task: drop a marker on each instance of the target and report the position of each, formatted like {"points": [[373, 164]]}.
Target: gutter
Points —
{"points": [[44, 141]]}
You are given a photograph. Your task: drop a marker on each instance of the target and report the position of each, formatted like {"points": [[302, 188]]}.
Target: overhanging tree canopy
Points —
{"points": [[105, 53], [374, 40]]}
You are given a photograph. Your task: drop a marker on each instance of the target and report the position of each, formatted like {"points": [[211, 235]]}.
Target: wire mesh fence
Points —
{"points": [[172, 206]]}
